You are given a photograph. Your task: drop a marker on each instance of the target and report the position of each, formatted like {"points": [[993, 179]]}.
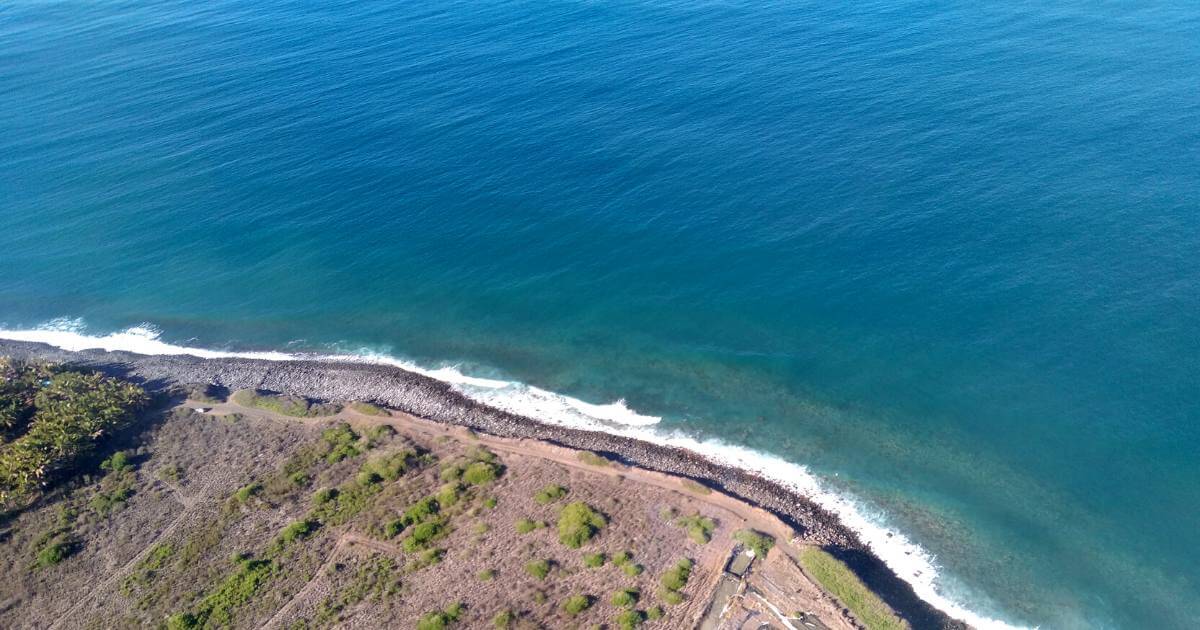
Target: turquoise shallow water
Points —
{"points": [[944, 254]]}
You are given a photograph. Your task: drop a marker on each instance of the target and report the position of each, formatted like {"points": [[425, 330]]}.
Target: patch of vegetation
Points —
{"points": [[481, 473], [282, 404], [622, 557], [578, 523], [373, 579], [538, 568], [423, 534], [342, 441], [699, 528], [170, 473], [503, 619], [625, 598], [438, 620], [209, 394], [654, 613], [671, 597], [367, 409], [427, 558], [843, 584], [524, 526], [630, 619], [593, 560], [49, 418], [297, 530], [53, 553], [576, 604], [632, 569], [490, 503], [592, 459], [449, 494], [388, 467], [145, 570], [696, 487], [550, 494], [677, 576], [756, 541], [216, 609], [247, 491], [486, 575]]}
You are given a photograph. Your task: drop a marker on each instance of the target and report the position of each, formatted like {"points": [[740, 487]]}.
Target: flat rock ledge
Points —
{"points": [[429, 398]]}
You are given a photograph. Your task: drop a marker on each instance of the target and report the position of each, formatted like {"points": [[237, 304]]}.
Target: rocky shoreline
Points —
{"points": [[432, 399]]}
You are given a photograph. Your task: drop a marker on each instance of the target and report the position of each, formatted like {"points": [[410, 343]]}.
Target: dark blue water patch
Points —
{"points": [[944, 253]]}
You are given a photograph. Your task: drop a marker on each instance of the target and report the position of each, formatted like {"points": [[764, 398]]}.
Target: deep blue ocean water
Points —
{"points": [[944, 254]]}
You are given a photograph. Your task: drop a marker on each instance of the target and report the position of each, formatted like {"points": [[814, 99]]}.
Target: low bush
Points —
{"points": [[481, 473], [538, 568], [550, 494], [423, 534], [576, 604], [524, 526], [367, 409], [843, 584], [438, 620], [758, 542], [632, 569], [244, 493], [578, 523], [677, 576], [593, 560], [503, 619], [699, 528], [654, 613], [625, 598], [630, 619]]}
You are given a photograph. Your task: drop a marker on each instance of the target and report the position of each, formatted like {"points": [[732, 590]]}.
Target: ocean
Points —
{"points": [[935, 262]]}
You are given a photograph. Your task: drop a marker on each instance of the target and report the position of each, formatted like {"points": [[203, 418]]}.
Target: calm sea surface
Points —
{"points": [[946, 254]]}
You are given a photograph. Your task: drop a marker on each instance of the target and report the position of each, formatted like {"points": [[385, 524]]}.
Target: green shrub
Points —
{"points": [[550, 494], [699, 528], [524, 526], [449, 494], [490, 503], [170, 473], [630, 619], [182, 621], [654, 613], [341, 440], [576, 604], [117, 462], [578, 523], [622, 557], [632, 569], [421, 510], [244, 493], [758, 542], [393, 528], [696, 487], [388, 467], [480, 473], [438, 620], [297, 530], [486, 575], [503, 619], [451, 472], [625, 598], [53, 553], [593, 560], [324, 495], [423, 534], [677, 576], [299, 479], [671, 597], [538, 568]]}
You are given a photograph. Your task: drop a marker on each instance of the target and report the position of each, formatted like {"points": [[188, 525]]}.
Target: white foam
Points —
{"points": [[912, 563]]}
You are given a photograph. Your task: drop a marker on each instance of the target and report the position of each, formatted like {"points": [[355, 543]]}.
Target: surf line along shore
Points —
{"points": [[428, 398]]}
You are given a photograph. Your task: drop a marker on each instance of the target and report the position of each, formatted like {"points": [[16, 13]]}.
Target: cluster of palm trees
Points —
{"points": [[49, 417]]}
